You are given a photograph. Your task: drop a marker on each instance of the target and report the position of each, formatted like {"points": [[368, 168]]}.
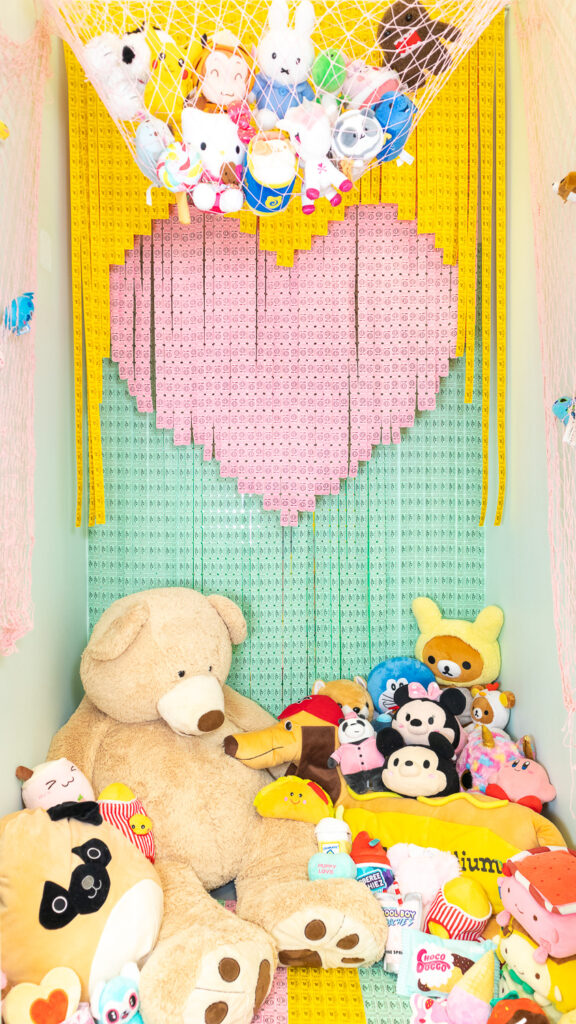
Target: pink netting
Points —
{"points": [[23, 69], [546, 39], [287, 376]]}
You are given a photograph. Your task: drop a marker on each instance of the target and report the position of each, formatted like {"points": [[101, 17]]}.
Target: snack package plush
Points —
{"points": [[401, 915], [432, 965]]}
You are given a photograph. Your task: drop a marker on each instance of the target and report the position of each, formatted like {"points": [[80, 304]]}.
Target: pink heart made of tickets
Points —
{"points": [[289, 376]]}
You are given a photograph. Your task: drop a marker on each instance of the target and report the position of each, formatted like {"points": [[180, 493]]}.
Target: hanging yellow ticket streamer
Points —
{"points": [[441, 190]]}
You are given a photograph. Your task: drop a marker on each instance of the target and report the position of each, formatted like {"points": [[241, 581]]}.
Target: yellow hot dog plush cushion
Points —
{"points": [[477, 829]]}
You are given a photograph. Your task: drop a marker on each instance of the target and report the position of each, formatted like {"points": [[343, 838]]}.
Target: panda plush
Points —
{"points": [[417, 717], [358, 756], [417, 770]]}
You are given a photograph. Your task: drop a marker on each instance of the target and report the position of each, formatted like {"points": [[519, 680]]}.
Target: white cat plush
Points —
{"points": [[214, 137], [285, 57], [310, 129]]}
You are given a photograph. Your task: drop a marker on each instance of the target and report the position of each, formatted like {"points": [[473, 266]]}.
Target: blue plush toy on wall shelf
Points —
{"points": [[19, 313]]}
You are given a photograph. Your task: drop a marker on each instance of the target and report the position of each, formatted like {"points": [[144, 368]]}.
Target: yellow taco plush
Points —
{"points": [[295, 799]]}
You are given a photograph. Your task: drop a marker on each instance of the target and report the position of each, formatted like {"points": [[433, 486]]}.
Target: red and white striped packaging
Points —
{"points": [[119, 813], [456, 921]]}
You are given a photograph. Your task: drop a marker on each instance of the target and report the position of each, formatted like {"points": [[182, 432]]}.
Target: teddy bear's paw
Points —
{"points": [[325, 936], [232, 982]]}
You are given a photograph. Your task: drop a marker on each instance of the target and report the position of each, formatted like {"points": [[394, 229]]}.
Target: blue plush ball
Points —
{"points": [[386, 677]]}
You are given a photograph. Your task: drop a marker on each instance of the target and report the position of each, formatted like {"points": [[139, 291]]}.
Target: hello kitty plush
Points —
{"points": [[214, 137], [310, 130], [285, 57]]}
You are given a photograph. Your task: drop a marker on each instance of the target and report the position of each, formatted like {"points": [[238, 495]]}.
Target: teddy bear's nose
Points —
{"points": [[230, 746], [210, 721]]}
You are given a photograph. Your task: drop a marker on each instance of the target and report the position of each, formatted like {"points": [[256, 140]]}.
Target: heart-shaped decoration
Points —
{"points": [[53, 1001], [53, 1010]]}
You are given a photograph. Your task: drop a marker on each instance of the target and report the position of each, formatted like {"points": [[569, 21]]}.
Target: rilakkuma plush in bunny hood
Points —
{"points": [[459, 652], [285, 57], [73, 892]]}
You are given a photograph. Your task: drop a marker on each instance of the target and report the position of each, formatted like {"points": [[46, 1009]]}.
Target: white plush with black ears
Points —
{"points": [[416, 770], [418, 717]]}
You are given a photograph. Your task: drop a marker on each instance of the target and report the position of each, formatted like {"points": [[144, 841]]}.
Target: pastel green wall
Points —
{"points": [[518, 553], [328, 598], [38, 684]]}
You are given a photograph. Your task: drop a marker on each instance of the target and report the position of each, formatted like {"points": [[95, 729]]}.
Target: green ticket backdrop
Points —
{"points": [[328, 598]]}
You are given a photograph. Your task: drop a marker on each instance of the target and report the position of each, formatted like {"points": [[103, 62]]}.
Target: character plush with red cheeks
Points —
{"points": [[412, 43], [224, 73]]}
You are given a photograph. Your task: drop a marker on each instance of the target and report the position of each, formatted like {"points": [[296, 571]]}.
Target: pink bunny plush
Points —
{"points": [[310, 129]]}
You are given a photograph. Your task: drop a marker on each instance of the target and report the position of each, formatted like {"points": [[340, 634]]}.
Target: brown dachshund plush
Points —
{"points": [[566, 188], [411, 43]]}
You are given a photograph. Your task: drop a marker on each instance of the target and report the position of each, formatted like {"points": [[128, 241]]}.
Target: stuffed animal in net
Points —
{"points": [[415, 770], [310, 129], [156, 714], [459, 653], [358, 756], [388, 676], [222, 71], [413, 44], [351, 695], [214, 137], [285, 57], [357, 138], [418, 716]]}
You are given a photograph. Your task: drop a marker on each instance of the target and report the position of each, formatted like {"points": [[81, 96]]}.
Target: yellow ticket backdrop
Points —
{"points": [[462, 130]]}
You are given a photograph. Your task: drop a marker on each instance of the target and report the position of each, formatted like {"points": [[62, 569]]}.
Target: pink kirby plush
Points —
{"points": [[538, 888], [522, 781], [52, 783]]}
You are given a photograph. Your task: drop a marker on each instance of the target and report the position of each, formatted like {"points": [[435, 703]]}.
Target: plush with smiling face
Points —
{"points": [[417, 770], [416, 718], [349, 694], [223, 69], [52, 783]]}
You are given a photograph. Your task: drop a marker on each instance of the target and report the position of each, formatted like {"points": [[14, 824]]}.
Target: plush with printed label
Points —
{"points": [[75, 893]]}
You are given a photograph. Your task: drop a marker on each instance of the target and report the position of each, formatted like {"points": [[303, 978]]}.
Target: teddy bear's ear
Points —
{"points": [[232, 616], [427, 614], [389, 741], [361, 681], [489, 622], [441, 746], [452, 699], [507, 698], [319, 685], [121, 634]]}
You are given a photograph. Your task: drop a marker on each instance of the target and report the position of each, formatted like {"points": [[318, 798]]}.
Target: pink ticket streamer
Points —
{"points": [[288, 376]]}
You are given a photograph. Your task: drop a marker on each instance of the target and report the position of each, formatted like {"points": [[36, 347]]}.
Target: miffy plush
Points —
{"points": [[214, 137], [310, 130], [285, 57]]}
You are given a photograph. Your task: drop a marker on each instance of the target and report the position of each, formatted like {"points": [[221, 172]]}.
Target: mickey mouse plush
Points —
{"points": [[417, 770], [418, 717]]}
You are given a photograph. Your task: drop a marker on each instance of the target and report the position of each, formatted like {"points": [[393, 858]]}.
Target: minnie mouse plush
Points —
{"points": [[418, 716]]}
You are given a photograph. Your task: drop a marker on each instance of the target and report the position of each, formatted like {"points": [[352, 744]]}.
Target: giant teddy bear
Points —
{"points": [[154, 717]]}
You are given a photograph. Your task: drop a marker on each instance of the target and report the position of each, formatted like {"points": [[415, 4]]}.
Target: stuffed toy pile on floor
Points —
{"points": [[404, 819]]}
